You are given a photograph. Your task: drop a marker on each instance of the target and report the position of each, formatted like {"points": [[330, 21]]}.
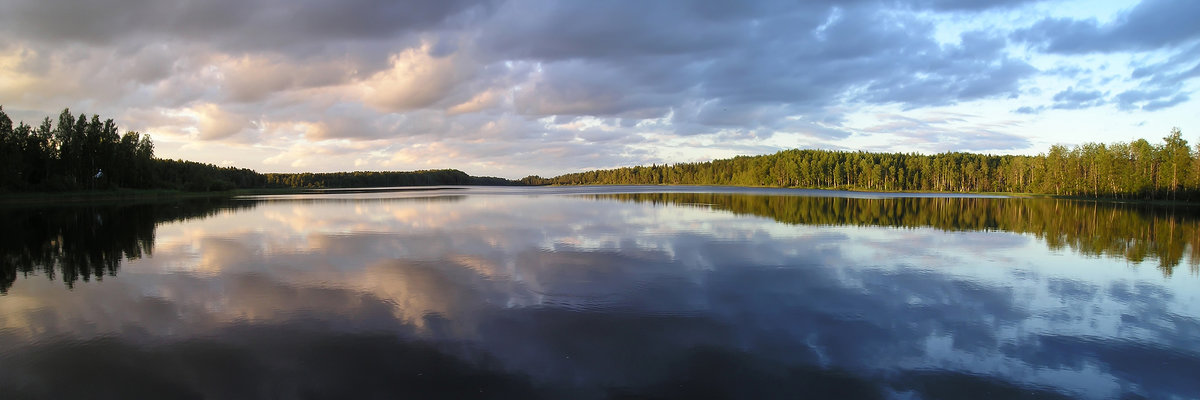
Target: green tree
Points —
{"points": [[1178, 157]]}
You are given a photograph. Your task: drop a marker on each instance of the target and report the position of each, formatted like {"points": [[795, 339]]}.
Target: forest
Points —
{"points": [[380, 179], [1135, 170], [81, 153], [75, 153]]}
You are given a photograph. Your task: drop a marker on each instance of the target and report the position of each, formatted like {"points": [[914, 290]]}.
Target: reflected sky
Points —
{"points": [[554, 295]]}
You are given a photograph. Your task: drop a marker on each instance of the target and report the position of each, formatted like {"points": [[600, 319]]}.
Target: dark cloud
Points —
{"points": [[576, 87], [232, 24], [755, 62], [1162, 83], [1029, 109], [1174, 70], [1150, 25], [1072, 99], [550, 30], [1151, 99], [976, 68], [969, 5], [1162, 103], [746, 70]]}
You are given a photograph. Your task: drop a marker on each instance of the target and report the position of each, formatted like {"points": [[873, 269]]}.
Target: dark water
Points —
{"points": [[598, 293]]}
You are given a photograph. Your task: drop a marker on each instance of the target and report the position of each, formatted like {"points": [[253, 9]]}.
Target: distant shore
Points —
{"points": [[154, 195]]}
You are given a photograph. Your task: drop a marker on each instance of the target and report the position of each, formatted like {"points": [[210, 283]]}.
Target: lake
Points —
{"points": [[600, 292]]}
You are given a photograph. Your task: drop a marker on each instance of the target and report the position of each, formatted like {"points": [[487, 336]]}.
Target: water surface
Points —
{"points": [[599, 292]]}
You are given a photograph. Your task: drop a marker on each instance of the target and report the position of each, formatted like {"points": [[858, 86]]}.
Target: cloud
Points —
{"points": [[942, 132], [253, 78], [1150, 100], [970, 5], [214, 122], [463, 75], [1150, 25], [1163, 83], [483, 101], [977, 68], [232, 25], [416, 78], [556, 31], [574, 88], [1072, 99], [756, 70], [1029, 110]]}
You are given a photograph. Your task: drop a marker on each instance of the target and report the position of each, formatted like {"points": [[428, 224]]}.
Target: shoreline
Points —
{"points": [[139, 195]]}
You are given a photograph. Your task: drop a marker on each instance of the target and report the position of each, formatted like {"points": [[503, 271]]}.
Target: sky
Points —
{"points": [[519, 87]]}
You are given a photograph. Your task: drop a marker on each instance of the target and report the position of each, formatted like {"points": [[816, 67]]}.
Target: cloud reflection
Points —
{"points": [[576, 295]]}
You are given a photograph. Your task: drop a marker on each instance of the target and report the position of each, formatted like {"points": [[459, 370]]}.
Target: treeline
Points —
{"points": [[1136, 170], [380, 179], [1135, 232], [75, 153], [194, 176], [78, 153]]}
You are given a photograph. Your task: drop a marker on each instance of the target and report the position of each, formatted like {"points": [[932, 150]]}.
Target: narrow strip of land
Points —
{"points": [[77, 158]]}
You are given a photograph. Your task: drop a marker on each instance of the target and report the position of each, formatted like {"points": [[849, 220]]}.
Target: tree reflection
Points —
{"points": [[1133, 231], [83, 243]]}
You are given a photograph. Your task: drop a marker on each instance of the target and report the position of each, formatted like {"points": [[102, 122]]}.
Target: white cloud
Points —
{"points": [[415, 79]]}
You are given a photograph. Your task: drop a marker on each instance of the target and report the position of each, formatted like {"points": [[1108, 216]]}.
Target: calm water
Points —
{"points": [[600, 292]]}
